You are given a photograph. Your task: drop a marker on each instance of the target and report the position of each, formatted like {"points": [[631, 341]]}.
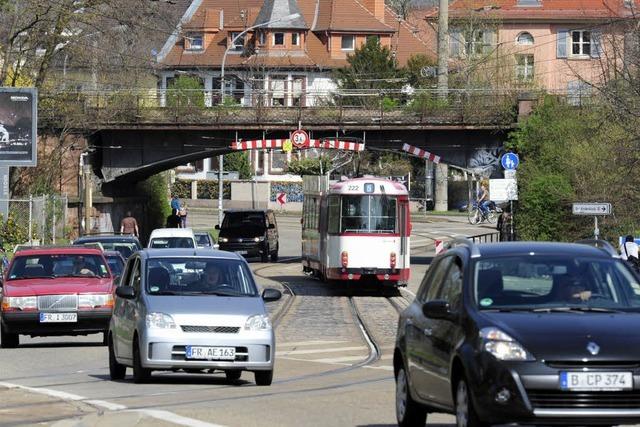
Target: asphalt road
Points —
{"points": [[326, 372]]}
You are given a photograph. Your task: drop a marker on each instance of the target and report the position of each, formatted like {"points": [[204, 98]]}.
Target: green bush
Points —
{"points": [[12, 233], [206, 189], [154, 190]]}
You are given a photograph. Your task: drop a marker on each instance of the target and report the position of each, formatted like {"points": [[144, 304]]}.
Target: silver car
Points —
{"points": [[190, 309]]}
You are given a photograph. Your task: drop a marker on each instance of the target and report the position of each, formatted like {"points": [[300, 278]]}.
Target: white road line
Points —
{"points": [[318, 350], [305, 343], [384, 368], [158, 414], [340, 359]]}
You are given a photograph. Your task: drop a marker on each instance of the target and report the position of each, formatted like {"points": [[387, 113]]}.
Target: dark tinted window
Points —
{"points": [[115, 264], [431, 283], [243, 219]]}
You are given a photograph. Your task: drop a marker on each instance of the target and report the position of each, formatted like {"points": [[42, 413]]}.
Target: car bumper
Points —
{"points": [[536, 396], [28, 323], [249, 248], [163, 350]]}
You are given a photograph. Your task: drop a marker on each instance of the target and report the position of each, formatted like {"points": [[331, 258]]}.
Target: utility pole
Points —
{"points": [[88, 199], [220, 187], [443, 48]]}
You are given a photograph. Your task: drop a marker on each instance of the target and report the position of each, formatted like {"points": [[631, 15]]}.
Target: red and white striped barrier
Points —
{"points": [[260, 144], [439, 246], [419, 152]]}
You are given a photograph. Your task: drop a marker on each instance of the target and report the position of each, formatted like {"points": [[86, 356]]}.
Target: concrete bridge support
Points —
{"points": [[442, 179]]}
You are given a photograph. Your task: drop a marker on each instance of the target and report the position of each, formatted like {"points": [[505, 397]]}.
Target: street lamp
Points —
{"points": [[233, 41]]}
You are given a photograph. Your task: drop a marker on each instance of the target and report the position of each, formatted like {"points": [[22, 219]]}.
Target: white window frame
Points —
{"points": [[295, 39], [525, 71], [238, 46], [581, 44], [262, 38], [192, 37], [353, 42], [528, 42], [274, 39], [476, 45]]}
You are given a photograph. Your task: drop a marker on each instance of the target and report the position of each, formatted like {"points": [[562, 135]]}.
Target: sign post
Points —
{"points": [[510, 162], [592, 209]]}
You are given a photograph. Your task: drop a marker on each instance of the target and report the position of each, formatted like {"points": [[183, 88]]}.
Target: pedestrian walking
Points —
{"points": [[504, 225], [175, 205], [129, 225], [629, 252], [183, 215]]}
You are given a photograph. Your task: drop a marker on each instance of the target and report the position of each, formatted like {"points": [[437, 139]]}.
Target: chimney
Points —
{"points": [[376, 7]]}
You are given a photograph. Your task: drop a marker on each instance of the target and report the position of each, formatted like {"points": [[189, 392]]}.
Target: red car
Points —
{"points": [[56, 291]]}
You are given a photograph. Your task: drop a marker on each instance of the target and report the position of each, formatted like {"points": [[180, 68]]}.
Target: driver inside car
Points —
{"points": [[212, 278], [80, 267]]}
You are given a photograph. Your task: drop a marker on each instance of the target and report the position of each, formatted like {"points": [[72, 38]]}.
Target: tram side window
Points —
{"points": [[334, 215]]}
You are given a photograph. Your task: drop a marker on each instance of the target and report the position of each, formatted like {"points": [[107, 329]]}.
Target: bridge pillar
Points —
{"points": [[442, 188], [194, 189]]}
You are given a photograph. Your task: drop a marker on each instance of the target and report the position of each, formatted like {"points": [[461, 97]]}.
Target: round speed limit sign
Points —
{"points": [[300, 138]]}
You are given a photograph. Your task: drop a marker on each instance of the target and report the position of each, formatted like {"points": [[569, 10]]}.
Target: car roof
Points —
{"points": [[198, 233], [191, 253], [112, 254], [172, 232], [98, 238], [505, 249], [59, 250], [248, 210]]}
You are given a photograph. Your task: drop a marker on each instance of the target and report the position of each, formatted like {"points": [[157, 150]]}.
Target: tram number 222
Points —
{"points": [[353, 187]]}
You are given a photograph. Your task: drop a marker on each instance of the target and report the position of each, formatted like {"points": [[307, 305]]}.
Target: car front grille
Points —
{"points": [[594, 364], [178, 352], [57, 302], [211, 329], [552, 399]]}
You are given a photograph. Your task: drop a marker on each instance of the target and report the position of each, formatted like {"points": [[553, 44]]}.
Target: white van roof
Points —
{"points": [[171, 232]]}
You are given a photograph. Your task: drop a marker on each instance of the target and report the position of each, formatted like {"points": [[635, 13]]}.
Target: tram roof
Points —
{"points": [[381, 186]]}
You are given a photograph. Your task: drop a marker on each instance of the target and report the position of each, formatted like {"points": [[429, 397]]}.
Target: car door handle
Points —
{"points": [[428, 331]]}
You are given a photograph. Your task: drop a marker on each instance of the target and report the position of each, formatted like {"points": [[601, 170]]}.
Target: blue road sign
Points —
{"points": [[510, 161]]}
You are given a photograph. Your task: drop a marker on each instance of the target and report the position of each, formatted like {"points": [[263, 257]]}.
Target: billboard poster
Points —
{"points": [[18, 126]]}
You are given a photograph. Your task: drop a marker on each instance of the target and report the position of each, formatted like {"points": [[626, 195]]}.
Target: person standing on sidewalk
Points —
{"points": [[183, 215], [129, 225], [175, 205]]}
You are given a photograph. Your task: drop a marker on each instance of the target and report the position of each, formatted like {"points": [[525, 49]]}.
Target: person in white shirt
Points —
{"points": [[629, 249]]}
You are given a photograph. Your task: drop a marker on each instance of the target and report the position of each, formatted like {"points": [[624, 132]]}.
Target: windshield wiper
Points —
{"points": [[575, 309], [220, 293], [166, 293]]}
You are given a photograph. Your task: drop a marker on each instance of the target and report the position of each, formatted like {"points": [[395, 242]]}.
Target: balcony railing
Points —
{"points": [[367, 108]]}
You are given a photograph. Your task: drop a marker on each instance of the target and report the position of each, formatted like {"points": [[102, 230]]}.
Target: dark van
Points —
{"points": [[250, 233]]}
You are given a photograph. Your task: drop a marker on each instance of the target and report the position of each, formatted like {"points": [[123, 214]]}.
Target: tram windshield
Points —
{"points": [[368, 214]]}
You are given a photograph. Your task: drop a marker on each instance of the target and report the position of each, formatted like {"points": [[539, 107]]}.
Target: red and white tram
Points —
{"points": [[356, 229]]}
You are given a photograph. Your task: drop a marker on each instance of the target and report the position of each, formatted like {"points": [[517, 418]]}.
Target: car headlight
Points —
{"points": [[258, 239], [160, 321], [95, 300], [223, 240], [259, 322], [19, 303], [502, 346]]}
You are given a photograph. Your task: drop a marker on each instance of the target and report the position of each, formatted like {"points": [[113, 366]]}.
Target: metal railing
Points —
{"points": [[354, 107], [491, 237]]}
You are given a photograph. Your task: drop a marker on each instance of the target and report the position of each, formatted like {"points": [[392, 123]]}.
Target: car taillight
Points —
{"points": [[392, 260], [345, 258]]}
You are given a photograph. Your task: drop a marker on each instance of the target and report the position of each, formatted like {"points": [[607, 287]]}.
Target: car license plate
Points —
{"points": [[210, 353], [596, 381], [241, 252], [58, 317]]}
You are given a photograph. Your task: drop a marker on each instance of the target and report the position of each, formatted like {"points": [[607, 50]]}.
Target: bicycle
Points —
{"points": [[477, 216]]}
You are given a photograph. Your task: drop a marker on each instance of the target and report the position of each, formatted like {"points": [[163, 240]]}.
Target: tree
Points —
{"points": [[370, 67], [414, 71], [186, 91], [239, 162], [310, 166]]}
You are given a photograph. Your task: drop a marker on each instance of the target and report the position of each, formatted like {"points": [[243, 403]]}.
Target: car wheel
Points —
{"points": [[265, 254], [233, 375], [105, 338], [8, 340], [466, 415], [274, 254], [140, 373], [408, 411], [116, 370], [263, 377]]}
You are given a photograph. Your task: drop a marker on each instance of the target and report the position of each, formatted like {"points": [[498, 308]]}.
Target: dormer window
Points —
{"points": [[295, 39], [278, 39], [238, 45], [194, 41]]}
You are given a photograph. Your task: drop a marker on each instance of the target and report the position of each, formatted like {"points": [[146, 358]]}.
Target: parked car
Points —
{"points": [[192, 310], [126, 244], [521, 332], [250, 233], [56, 291], [116, 262], [205, 240], [163, 238]]}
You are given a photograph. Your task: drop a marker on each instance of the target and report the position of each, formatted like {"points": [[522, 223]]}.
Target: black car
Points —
{"points": [[522, 332], [126, 244], [250, 233]]}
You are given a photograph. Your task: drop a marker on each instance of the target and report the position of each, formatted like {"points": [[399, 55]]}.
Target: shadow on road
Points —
{"points": [[62, 344], [182, 378]]}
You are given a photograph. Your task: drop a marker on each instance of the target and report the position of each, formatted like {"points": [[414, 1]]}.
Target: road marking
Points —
{"points": [[305, 343], [318, 350], [158, 414], [339, 359], [384, 368]]}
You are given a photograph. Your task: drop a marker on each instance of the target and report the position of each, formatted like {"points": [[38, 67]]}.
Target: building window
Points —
{"points": [[262, 38], [581, 43], [524, 68], [524, 39], [277, 86], [238, 45], [195, 41], [477, 42], [295, 39], [348, 42], [278, 39]]}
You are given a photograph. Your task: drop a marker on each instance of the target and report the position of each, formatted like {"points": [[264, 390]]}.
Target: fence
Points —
{"points": [[36, 219]]}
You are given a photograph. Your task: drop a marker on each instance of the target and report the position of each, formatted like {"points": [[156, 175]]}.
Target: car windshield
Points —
{"points": [[126, 248], [243, 219], [555, 283], [115, 264], [50, 266], [171, 242], [203, 240], [199, 276]]}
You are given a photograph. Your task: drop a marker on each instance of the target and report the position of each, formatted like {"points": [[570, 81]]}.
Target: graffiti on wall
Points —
{"points": [[485, 161]]}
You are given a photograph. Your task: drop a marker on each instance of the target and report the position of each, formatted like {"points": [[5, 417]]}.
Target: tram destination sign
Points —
{"points": [[592, 209]]}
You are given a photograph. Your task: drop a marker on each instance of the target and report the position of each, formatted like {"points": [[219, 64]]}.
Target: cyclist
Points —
{"points": [[483, 200]]}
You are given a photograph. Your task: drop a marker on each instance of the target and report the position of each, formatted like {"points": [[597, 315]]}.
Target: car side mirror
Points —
{"points": [[217, 227], [270, 294], [126, 292], [437, 310], [272, 226]]}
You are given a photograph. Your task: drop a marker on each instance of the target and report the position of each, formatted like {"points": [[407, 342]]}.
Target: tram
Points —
{"points": [[356, 230]]}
